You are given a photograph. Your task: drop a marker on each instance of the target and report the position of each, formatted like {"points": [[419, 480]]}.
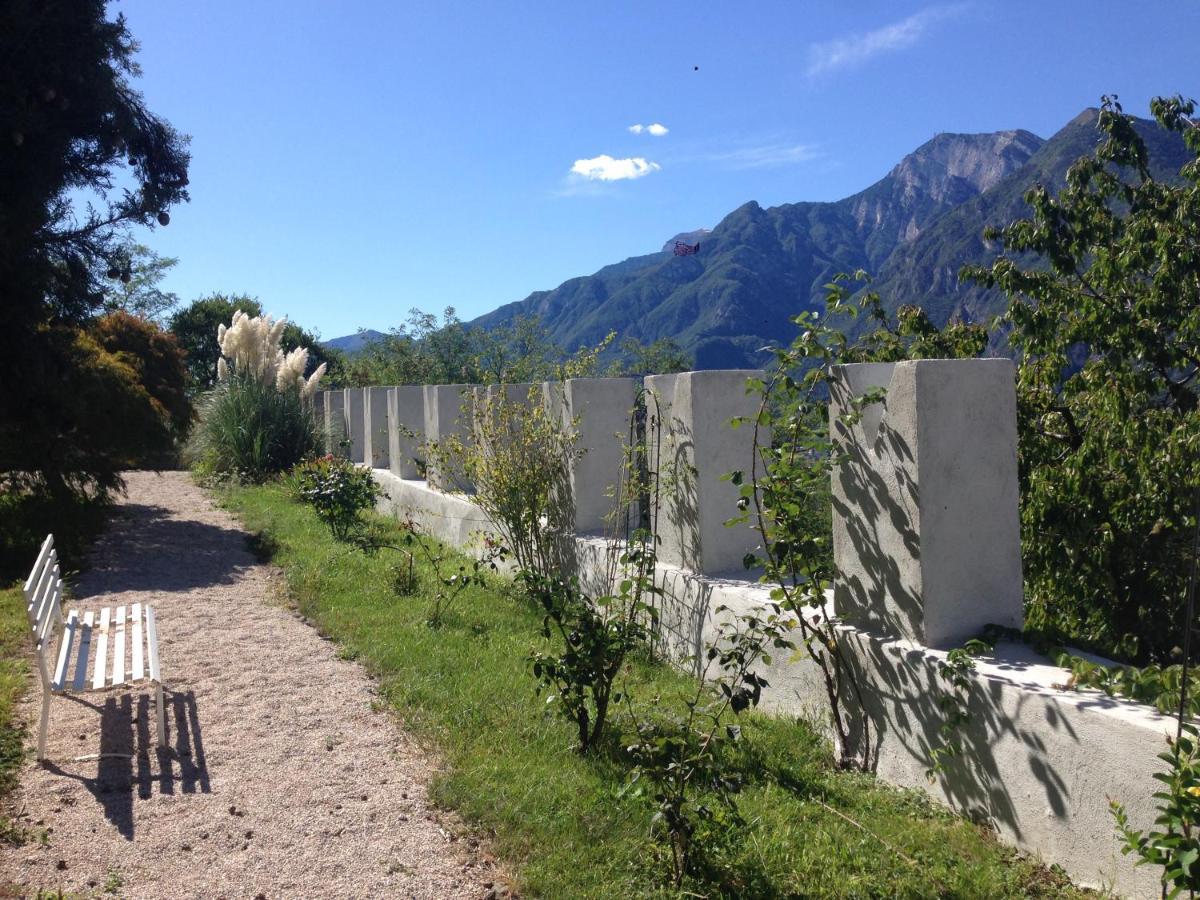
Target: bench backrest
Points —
{"points": [[43, 604]]}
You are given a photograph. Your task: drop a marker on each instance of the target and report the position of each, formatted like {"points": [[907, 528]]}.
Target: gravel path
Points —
{"points": [[280, 780]]}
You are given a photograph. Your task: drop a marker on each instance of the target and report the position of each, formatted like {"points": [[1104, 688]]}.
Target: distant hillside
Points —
{"points": [[353, 343], [913, 229]]}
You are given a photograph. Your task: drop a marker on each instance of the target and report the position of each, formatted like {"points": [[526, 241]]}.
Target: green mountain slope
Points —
{"points": [[914, 229]]}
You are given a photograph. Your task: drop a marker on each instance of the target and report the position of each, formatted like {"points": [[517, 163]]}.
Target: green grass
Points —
{"points": [[25, 519], [560, 823], [14, 651]]}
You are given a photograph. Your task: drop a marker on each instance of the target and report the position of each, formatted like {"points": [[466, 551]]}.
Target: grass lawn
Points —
{"points": [[14, 651], [561, 823]]}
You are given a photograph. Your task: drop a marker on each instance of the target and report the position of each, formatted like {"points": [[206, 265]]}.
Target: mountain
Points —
{"points": [[927, 270], [913, 229], [353, 343]]}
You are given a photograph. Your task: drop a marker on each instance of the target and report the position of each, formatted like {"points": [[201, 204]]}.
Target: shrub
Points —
{"points": [[258, 420], [157, 359], [338, 490], [251, 430], [1102, 281]]}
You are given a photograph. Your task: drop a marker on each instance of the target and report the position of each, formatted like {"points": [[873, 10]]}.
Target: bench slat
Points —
{"points": [[100, 669], [52, 611], [152, 643], [41, 600], [64, 651], [40, 563], [118, 666], [85, 644], [138, 671]]}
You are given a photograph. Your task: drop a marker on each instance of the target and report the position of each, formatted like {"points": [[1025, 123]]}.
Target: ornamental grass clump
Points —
{"points": [[257, 421]]}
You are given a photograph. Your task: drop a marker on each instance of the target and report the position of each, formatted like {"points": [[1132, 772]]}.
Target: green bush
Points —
{"points": [[337, 489], [251, 430]]}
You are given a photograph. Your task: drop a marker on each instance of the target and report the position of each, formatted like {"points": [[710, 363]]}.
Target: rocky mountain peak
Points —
{"points": [[943, 166]]}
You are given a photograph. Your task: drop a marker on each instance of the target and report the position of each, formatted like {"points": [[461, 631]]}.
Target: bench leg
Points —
{"points": [[161, 723], [41, 751]]}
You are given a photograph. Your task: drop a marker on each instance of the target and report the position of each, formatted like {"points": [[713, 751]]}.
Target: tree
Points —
{"points": [[71, 124], [422, 351], [157, 360], [1107, 334], [660, 357], [195, 327], [133, 283]]}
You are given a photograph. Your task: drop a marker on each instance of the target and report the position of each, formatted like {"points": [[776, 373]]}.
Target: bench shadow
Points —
{"points": [[124, 766], [145, 548]]}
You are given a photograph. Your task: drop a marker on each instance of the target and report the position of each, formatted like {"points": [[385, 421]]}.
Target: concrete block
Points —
{"points": [[406, 429], [692, 444], [926, 536], [448, 412], [335, 422], [599, 410], [375, 427], [353, 411]]}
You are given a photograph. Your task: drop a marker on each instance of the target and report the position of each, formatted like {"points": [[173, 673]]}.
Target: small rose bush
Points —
{"points": [[338, 490]]}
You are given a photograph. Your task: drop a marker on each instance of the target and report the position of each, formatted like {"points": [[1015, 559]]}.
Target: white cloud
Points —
{"points": [[656, 129], [857, 49], [766, 155], [605, 168]]}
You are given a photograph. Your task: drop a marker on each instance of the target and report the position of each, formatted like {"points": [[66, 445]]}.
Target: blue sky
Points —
{"points": [[352, 160]]}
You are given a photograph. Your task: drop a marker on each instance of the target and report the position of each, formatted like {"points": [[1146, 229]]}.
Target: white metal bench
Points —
{"points": [[117, 646]]}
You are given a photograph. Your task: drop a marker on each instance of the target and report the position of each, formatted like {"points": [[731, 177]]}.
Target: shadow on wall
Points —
{"points": [[126, 745], [675, 482], [881, 523]]}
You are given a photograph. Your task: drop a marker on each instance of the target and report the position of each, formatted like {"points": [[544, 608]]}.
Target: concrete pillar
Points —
{"points": [[335, 422], [375, 427], [692, 444], [406, 429], [598, 410], [926, 535], [448, 412], [353, 410]]}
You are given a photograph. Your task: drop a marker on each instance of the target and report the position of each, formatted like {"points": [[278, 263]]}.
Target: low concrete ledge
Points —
{"points": [[451, 518]]}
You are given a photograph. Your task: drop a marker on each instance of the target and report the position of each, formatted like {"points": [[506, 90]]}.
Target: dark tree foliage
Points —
{"points": [[156, 358], [71, 127], [1107, 334]]}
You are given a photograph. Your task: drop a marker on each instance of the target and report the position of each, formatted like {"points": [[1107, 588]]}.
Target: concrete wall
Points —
{"points": [[406, 430], [927, 541], [353, 411], [376, 452], [448, 413], [692, 445], [599, 412], [335, 422], [926, 533]]}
